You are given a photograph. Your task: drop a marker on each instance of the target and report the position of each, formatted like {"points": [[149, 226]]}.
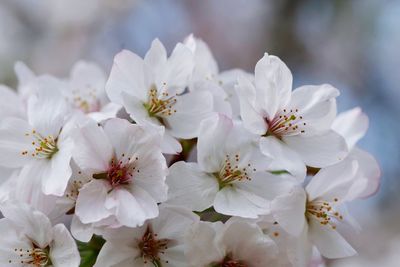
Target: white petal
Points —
{"points": [[333, 182], [179, 69], [28, 187], [127, 75], [133, 208], [90, 205], [352, 125], [210, 145], [289, 209], [13, 141], [173, 222], [63, 249], [191, 109], [252, 118], [319, 150], [116, 255], [80, 231], [368, 169], [248, 243], [35, 225], [237, 202], [329, 242], [201, 246], [190, 187], [156, 57], [56, 178], [108, 111], [283, 158], [48, 110], [93, 150], [317, 106], [273, 82], [134, 106], [170, 145], [87, 76]]}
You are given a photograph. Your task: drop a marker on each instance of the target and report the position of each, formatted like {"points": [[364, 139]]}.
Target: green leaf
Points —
{"points": [[89, 251]]}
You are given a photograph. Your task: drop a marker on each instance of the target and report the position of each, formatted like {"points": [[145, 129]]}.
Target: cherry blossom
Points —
{"points": [[29, 239], [152, 92]]}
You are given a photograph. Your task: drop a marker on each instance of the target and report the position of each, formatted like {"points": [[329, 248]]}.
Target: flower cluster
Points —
{"points": [[169, 162]]}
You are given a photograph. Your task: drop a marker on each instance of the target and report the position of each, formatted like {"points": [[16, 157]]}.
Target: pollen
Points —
{"points": [[231, 171], [151, 247], [324, 212], [36, 257], [287, 122], [86, 100], [160, 104], [43, 147]]}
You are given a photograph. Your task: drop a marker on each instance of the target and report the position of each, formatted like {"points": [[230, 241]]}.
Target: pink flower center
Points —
{"points": [[287, 122], [151, 247], [229, 262], [118, 174]]}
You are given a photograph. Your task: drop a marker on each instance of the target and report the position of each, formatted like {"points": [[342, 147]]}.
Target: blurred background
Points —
{"points": [[353, 45]]}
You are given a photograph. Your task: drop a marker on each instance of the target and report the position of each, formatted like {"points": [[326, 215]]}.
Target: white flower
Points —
{"points": [[353, 125], [291, 251], [85, 91], [159, 242], [295, 126], [231, 173], [151, 90], [129, 171], [206, 77], [317, 212], [236, 244], [40, 146], [29, 239]]}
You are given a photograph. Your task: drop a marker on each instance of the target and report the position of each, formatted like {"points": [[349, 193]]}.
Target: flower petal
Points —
{"points": [[283, 158], [289, 209], [333, 182], [329, 242], [128, 75], [273, 81], [352, 125], [63, 249], [90, 205], [252, 118], [211, 142], [190, 187], [93, 150], [235, 201], [191, 109], [319, 150]]}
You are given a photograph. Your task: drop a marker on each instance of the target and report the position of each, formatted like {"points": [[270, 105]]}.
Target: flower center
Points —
{"points": [[231, 172], [119, 172], [35, 256], [286, 123], [44, 147], [229, 262], [86, 103], [151, 247], [160, 106], [324, 212]]}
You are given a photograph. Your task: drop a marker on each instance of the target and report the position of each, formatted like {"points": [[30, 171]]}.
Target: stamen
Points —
{"points": [[86, 100], [35, 256], [151, 247], [231, 172], [44, 147], [286, 123], [159, 106], [324, 212]]}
